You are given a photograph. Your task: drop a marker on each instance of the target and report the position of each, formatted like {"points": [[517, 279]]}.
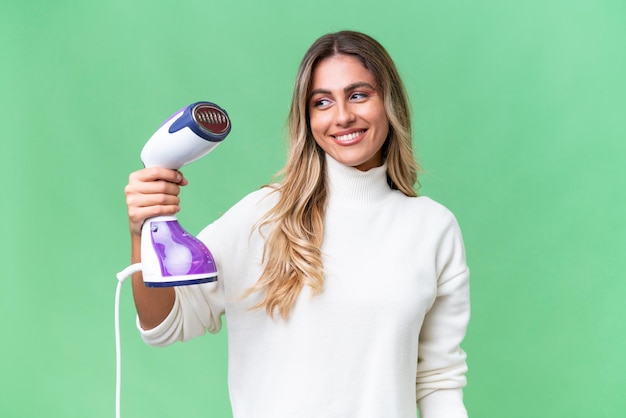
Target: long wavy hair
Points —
{"points": [[293, 228]]}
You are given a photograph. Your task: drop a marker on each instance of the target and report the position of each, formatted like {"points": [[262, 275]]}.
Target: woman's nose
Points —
{"points": [[344, 114]]}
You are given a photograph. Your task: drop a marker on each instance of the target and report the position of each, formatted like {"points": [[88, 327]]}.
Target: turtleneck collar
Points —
{"points": [[349, 186]]}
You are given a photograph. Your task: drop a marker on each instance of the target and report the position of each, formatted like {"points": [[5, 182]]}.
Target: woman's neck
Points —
{"points": [[351, 187]]}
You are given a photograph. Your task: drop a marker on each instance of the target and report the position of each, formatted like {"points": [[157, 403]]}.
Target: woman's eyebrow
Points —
{"points": [[350, 87], [358, 85]]}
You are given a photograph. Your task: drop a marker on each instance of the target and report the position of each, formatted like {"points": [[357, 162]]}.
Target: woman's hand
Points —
{"points": [[152, 192]]}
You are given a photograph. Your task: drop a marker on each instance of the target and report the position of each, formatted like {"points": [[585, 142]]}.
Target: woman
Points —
{"points": [[346, 295]]}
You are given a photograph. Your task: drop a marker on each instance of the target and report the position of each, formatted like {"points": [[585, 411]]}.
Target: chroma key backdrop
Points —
{"points": [[519, 121]]}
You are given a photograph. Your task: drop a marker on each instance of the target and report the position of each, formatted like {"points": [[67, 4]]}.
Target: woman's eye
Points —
{"points": [[359, 95], [321, 103]]}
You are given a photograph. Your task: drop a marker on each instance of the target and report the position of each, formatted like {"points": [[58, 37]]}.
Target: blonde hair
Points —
{"points": [[292, 255]]}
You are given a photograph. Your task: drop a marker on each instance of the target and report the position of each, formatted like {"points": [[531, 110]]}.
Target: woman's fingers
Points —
{"points": [[156, 187], [152, 192], [158, 173]]}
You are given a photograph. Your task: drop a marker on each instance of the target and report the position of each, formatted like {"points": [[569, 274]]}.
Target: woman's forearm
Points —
{"points": [[153, 304]]}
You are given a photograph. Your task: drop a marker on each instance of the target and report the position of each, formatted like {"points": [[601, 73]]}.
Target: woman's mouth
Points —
{"points": [[349, 137]]}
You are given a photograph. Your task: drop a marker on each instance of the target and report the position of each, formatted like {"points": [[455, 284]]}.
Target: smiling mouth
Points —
{"points": [[349, 137]]}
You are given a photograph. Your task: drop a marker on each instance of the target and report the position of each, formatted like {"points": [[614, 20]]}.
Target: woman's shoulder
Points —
{"points": [[245, 213], [264, 197], [428, 204], [255, 202], [429, 209]]}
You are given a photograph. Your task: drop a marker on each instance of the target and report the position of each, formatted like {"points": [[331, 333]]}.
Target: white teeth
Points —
{"points": [[348, 137]]}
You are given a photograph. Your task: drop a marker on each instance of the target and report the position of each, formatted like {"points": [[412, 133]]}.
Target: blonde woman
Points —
{"points": [[346, 295]]}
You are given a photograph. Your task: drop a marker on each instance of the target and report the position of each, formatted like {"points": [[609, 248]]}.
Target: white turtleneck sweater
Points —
{"points": [[384, 333]]}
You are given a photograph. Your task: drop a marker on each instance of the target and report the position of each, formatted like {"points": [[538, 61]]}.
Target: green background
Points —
{"points": [[519, 111]]}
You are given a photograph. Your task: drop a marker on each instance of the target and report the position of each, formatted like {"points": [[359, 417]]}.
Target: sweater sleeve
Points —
{"points": [[200, 308], [441, 362], [197, 309]]}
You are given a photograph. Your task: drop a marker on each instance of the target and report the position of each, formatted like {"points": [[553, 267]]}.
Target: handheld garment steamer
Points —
{"points": [[170, 256]]}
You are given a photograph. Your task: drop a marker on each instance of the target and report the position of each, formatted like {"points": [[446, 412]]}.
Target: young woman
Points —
{"points": [[345, 294]]}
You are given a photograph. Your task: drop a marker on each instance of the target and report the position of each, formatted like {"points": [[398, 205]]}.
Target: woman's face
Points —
{"points": [[347, 115]]}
